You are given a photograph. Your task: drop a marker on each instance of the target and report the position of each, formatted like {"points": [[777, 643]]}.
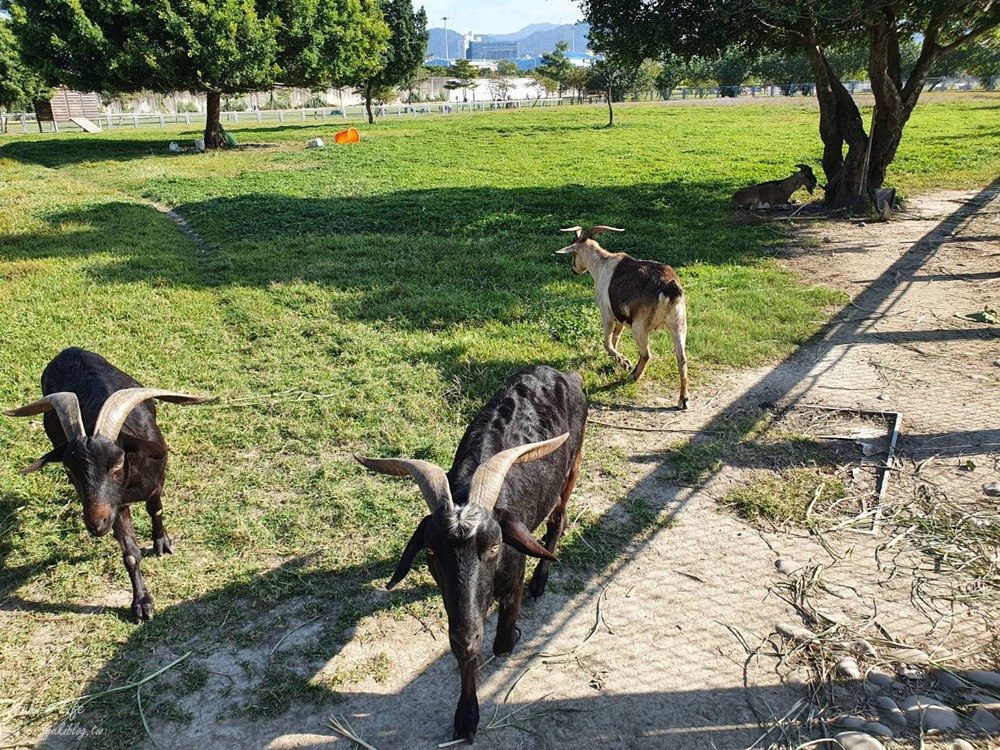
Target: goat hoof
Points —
{"points": [[625, 364], [163, 546], [142, 608], [682, 403], [467, 720], [503, 647]]}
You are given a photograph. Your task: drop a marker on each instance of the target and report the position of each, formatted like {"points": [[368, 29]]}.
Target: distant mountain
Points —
{"points": [[436, 47], [541, 42], [526, 31], [532, 40]]}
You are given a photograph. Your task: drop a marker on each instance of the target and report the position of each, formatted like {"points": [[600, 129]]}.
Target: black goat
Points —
{"points": [[509, 475], [102, 424]]}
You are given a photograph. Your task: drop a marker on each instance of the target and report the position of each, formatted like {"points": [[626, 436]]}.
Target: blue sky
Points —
{"points": [[498, 16]]}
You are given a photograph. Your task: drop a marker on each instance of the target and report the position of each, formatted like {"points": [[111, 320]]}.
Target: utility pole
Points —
{"points": [[446, 55]]}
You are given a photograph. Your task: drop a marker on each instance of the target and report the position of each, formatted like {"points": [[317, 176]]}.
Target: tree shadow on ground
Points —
{"points": [[421, 258]]}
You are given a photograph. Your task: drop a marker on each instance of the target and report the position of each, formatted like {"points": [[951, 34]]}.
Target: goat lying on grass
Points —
{"points": [[515, 467], [641, 294], [776, 193], [102, 424]]}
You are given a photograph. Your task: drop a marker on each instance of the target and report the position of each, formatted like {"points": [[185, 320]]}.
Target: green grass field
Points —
{"points": [[365, 298]]}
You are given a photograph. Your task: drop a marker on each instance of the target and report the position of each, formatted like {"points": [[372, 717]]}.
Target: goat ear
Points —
{"points": [[413, 546], [517, 535], [53, 455], [133, 444]]}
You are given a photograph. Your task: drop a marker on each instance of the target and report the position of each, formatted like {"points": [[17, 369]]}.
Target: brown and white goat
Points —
{"points": [[776, 193], [644, 295]]}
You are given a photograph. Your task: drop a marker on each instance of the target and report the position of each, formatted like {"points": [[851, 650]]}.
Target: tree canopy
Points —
{"points": [[637, 29], [211, 46], [404, 53], [19, 84]]}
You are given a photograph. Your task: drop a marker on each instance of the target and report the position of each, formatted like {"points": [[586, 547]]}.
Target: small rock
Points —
{"points": [[880, 730], [881, 679], [990, 679], [786, 566], [947, 680], [896, 719], [932, 714], [909, 673], [315, 143], [992, 489], [911, 656], [885, 703], [858, 741], [798, 678], [861, 224], [794, 632], [985, 721], [890, 713], [864, 647], [985, 701], [848, 668], [960, 745], [828, 239], [997, 362], [850, 721]]}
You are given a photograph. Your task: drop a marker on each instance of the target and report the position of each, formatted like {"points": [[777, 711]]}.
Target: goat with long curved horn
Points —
{"points": [[483, 515], [112, 468]]}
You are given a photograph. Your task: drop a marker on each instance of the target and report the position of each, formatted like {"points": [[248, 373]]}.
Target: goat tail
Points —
{"points": [[673, 291]]}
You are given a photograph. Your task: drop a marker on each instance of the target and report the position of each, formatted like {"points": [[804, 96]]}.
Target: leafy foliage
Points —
{"points": [[633, 30], [19, 84], [403, 55], [215, 46], [556, 66]]}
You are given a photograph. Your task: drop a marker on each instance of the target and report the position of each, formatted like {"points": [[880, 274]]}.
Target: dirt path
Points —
{"points": [[664, 667], [659, 650]]}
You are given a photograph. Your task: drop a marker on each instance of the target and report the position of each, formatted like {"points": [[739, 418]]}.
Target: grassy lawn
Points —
{"points": [[365, 298]]}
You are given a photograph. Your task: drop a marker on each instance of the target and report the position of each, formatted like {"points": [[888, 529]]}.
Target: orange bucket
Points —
{"points": [[347, 136]]}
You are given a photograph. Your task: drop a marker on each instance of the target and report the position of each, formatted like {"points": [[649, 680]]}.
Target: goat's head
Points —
{"points": [[96, 464], [807, 178], [584, 240], [464, 536]]}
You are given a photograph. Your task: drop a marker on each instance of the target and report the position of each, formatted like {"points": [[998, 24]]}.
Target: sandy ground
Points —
{"points": [[655, 652]]}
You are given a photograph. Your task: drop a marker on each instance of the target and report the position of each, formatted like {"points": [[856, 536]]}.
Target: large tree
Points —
{"points": [[648, 28], [213, 47], [404, 53], [19, 84]]}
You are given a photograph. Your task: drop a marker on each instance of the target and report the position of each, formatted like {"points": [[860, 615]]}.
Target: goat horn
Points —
{"points": [[66, 406], [430, 478], [489, 477], [121, 403], [598, 229], [578, 230]]}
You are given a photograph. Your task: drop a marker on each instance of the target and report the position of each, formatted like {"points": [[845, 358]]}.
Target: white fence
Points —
{"points": [[28, 122]]}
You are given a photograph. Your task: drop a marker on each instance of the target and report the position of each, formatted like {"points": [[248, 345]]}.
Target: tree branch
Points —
{"points": [[969, 37]]}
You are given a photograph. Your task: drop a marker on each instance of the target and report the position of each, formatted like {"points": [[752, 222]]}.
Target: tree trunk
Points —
{"points": [[368, 104], [213, 137], [839, 124], [611, 111]]}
